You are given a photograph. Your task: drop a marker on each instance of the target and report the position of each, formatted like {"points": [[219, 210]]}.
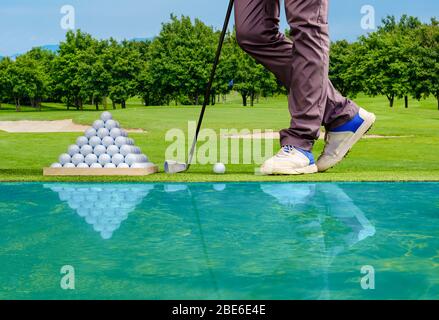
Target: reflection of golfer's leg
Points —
{"points": [[341, 206]]}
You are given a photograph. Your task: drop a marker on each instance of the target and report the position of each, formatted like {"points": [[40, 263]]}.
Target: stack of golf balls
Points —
{"points": [[104, 145], [104, 207]]}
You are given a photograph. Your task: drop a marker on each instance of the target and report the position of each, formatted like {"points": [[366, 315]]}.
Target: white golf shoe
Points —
{"points": [[290, 160], [340, 141]]}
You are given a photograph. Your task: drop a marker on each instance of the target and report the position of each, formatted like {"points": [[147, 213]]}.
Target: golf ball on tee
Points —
{"points": [[64, 158], [98, 124], [95, 141], [107, 141], [219, 168], [73, 149], [90, 159], [86, 150], [81, 141], [77, 159], [99, 149], [90, 132], [104, 159], [103, 132], [105, 116]]}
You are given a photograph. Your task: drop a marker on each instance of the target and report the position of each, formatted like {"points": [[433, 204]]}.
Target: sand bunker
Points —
{"points": [[275, 135], [27, 126]]}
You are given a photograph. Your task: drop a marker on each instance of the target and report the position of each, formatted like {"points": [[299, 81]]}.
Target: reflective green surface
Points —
{"points": [[220, 241]]}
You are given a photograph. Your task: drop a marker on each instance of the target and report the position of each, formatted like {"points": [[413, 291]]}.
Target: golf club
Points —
{"points": [[172, 166]]}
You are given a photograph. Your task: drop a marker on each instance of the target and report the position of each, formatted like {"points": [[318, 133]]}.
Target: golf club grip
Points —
{"points": [[211, 79]]}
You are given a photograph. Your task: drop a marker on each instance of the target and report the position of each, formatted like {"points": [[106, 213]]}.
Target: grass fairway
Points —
{"points": [[413, 157]]}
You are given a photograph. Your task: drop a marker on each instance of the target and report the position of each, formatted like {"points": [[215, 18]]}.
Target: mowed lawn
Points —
{"points": [[412, 157]]}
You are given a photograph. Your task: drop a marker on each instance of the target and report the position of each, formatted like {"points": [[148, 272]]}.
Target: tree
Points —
{"points": [[5, 80]]}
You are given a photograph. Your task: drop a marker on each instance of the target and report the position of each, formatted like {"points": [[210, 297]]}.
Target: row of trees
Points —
{"points": [[399, 60]]}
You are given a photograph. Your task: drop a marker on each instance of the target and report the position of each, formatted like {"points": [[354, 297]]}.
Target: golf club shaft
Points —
{"points": [[210, 83]]}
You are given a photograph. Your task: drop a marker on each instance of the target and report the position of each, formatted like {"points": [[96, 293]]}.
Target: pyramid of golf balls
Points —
{"points": [[103, 207], [104, 145]]}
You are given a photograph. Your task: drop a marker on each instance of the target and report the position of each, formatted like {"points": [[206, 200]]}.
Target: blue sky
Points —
{"points": [[28, 23]]}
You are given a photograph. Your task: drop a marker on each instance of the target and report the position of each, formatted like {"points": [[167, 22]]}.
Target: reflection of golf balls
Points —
{"points": [[104, 159], [115, 132], [112, 150], [103, 132], [105, 116], [123, 165], [98, 150], [69, 165], [64, 158], [82, 165], [98, 124], [90, 159], [94, 141], [90, 132], [77, 159], [56, 165], [81, 141], [110, 124], [110, 165], [107, 141], [219, 168], [117, 159], [120, 141], [219, 187], [96, 166], [73, 149], [86, 150]]}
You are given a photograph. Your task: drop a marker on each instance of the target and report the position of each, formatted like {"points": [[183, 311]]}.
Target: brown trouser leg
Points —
{"points": [[301, 65]]}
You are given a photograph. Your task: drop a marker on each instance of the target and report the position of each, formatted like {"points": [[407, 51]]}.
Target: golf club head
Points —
{"points": [[172, 166]]}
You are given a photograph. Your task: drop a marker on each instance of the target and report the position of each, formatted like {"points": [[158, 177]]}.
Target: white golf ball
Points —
{"points": [[56, 165], [110, 165], [69, 165], [86, 150], [115, 132], [73, 149], [77, 159], [107, 141], [64, 158], [125, 150], [94, 141], [82, 141], [104, 159], [82, 165], [142, 165], [96, 166], [123, 133], [112, 150], [99, 149], [120, 141], [103, 132], [117, 159], [130, 142], [123, 165], [110, 124], [98, 124], [219, 168], [90, 133], [90, 159], [105, 116]]}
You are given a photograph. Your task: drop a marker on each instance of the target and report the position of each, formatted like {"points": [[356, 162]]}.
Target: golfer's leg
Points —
{"points": [[257, 32], [339, 109], [309, 79]]}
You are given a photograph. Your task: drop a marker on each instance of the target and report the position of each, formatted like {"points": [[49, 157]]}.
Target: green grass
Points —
{"points": [[411, 158]]}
